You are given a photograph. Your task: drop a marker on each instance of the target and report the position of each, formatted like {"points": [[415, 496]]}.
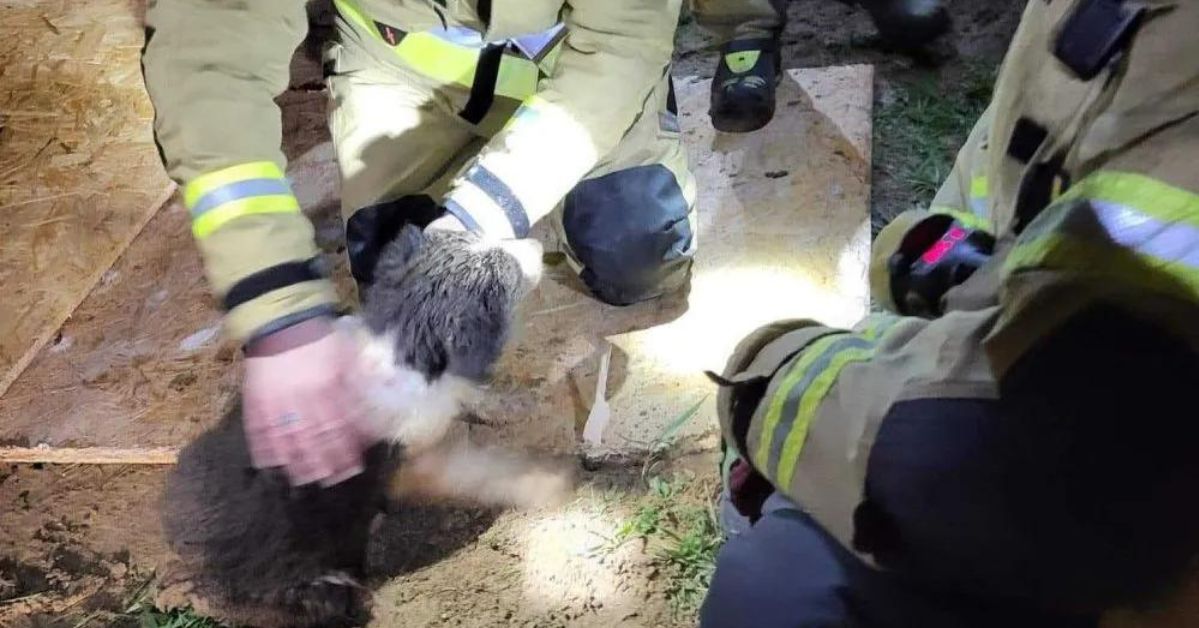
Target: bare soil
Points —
{"points": [[83, 544]]}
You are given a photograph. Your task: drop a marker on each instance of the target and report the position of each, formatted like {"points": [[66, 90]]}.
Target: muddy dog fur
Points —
{"points": [[256, 550]]}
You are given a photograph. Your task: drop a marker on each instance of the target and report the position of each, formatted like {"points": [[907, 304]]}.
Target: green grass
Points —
{"points": [[682, 535], [927, 124], [151, 618], [140, 610]]}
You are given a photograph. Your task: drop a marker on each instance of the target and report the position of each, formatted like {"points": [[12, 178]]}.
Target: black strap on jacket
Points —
{"points": [[1036, 190], [1095, 34], [484, 10], [482, 91], [1091, 39], [273, 278], [487, 72]]}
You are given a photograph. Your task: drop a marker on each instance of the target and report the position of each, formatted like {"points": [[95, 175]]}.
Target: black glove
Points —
{"points": [[936, 255]]}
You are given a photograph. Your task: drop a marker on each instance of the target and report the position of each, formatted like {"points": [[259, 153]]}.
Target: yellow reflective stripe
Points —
{"points": [[517, 78], [790, 380], [438, 59], [877, 324], [1111, 262], [969, 220], [549, 60], [978, 187], [350, 10], [198, 187], [210, 221], [741, 62], [1145, 194], [812, 397], [450, 63]]}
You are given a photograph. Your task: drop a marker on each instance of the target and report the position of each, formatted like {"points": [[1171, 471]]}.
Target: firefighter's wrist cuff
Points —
{"points": [[280, 308], [885, 245], [484, 203], [273, 278], [291, 332]]}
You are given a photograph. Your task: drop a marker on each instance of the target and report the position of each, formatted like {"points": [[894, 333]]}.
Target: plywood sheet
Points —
{"points": [[79, 173], [142, 364], [783, 232]]}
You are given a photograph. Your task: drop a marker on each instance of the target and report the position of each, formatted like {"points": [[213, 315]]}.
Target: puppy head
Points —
{"points": [[448, 299], [434, 323]]}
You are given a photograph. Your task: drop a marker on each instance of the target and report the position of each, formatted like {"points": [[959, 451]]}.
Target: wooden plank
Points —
{"points": [[79, 173], [142, 362], [88, 455]]}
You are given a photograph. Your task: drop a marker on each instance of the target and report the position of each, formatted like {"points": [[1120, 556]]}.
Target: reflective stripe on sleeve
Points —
{"points": [[218, 197], [806, 382], [1121, 227]]}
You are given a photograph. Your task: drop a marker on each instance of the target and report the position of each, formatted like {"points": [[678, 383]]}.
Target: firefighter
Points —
{"points": [[478, 115], [1011, 442], [750, 62]]}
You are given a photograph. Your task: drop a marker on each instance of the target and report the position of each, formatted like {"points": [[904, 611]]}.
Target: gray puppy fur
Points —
{"points": [[258, 551]]}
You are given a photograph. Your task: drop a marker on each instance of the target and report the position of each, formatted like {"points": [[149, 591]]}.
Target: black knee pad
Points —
{"points": [[370, 228], [629, 230]]}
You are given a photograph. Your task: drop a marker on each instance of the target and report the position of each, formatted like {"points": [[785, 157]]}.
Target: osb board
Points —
{"points": [[783, 232], [141, 364], [79, 173]]}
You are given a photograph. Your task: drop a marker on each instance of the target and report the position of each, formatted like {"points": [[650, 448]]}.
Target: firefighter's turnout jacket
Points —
{"points": [[510, 103], [1084, 169]]}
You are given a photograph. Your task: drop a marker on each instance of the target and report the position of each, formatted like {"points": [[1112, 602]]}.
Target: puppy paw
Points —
{"points": [[542, 488]]}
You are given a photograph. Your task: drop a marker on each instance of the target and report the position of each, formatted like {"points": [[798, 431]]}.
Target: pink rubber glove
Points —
{"points": [[301, 408]]}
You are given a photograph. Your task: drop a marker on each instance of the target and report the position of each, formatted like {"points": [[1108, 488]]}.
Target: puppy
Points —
{"points": [[257, 550]]}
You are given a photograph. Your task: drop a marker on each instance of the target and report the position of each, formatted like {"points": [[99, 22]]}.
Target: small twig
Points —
{"points": [[558, 309], [22, 598], [31, 114], [39, 200], [139, 596], [86, 620], [25, 162]]}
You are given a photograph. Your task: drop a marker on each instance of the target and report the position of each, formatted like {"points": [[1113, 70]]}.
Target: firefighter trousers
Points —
{"points": [[827, 586], [401, 138]]}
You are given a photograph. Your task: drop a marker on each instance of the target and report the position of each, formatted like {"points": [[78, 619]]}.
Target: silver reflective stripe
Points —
{"points": [[668, 122], [978, 206], [530, 45], [237, 191], [1166, 241], [534, 44], [795, 395], [459, 35], [502, 196]]}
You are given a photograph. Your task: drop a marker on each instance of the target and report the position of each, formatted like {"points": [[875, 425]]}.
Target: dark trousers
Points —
{"points": [[786, 571]]}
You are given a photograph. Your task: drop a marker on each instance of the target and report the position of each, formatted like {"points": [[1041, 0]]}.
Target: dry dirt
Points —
{"points": [[81, 544]]}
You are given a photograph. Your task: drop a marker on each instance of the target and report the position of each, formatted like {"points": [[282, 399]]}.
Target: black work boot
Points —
{"points": [[743, 88], [908, 23]]}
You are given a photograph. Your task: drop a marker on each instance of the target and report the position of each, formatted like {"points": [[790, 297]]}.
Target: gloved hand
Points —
{"points": [[748, 490], [302, 409]]}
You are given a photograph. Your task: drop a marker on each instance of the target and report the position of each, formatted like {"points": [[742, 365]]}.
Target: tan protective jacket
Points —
{"points": [[1090, 184], [213, 68]]}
